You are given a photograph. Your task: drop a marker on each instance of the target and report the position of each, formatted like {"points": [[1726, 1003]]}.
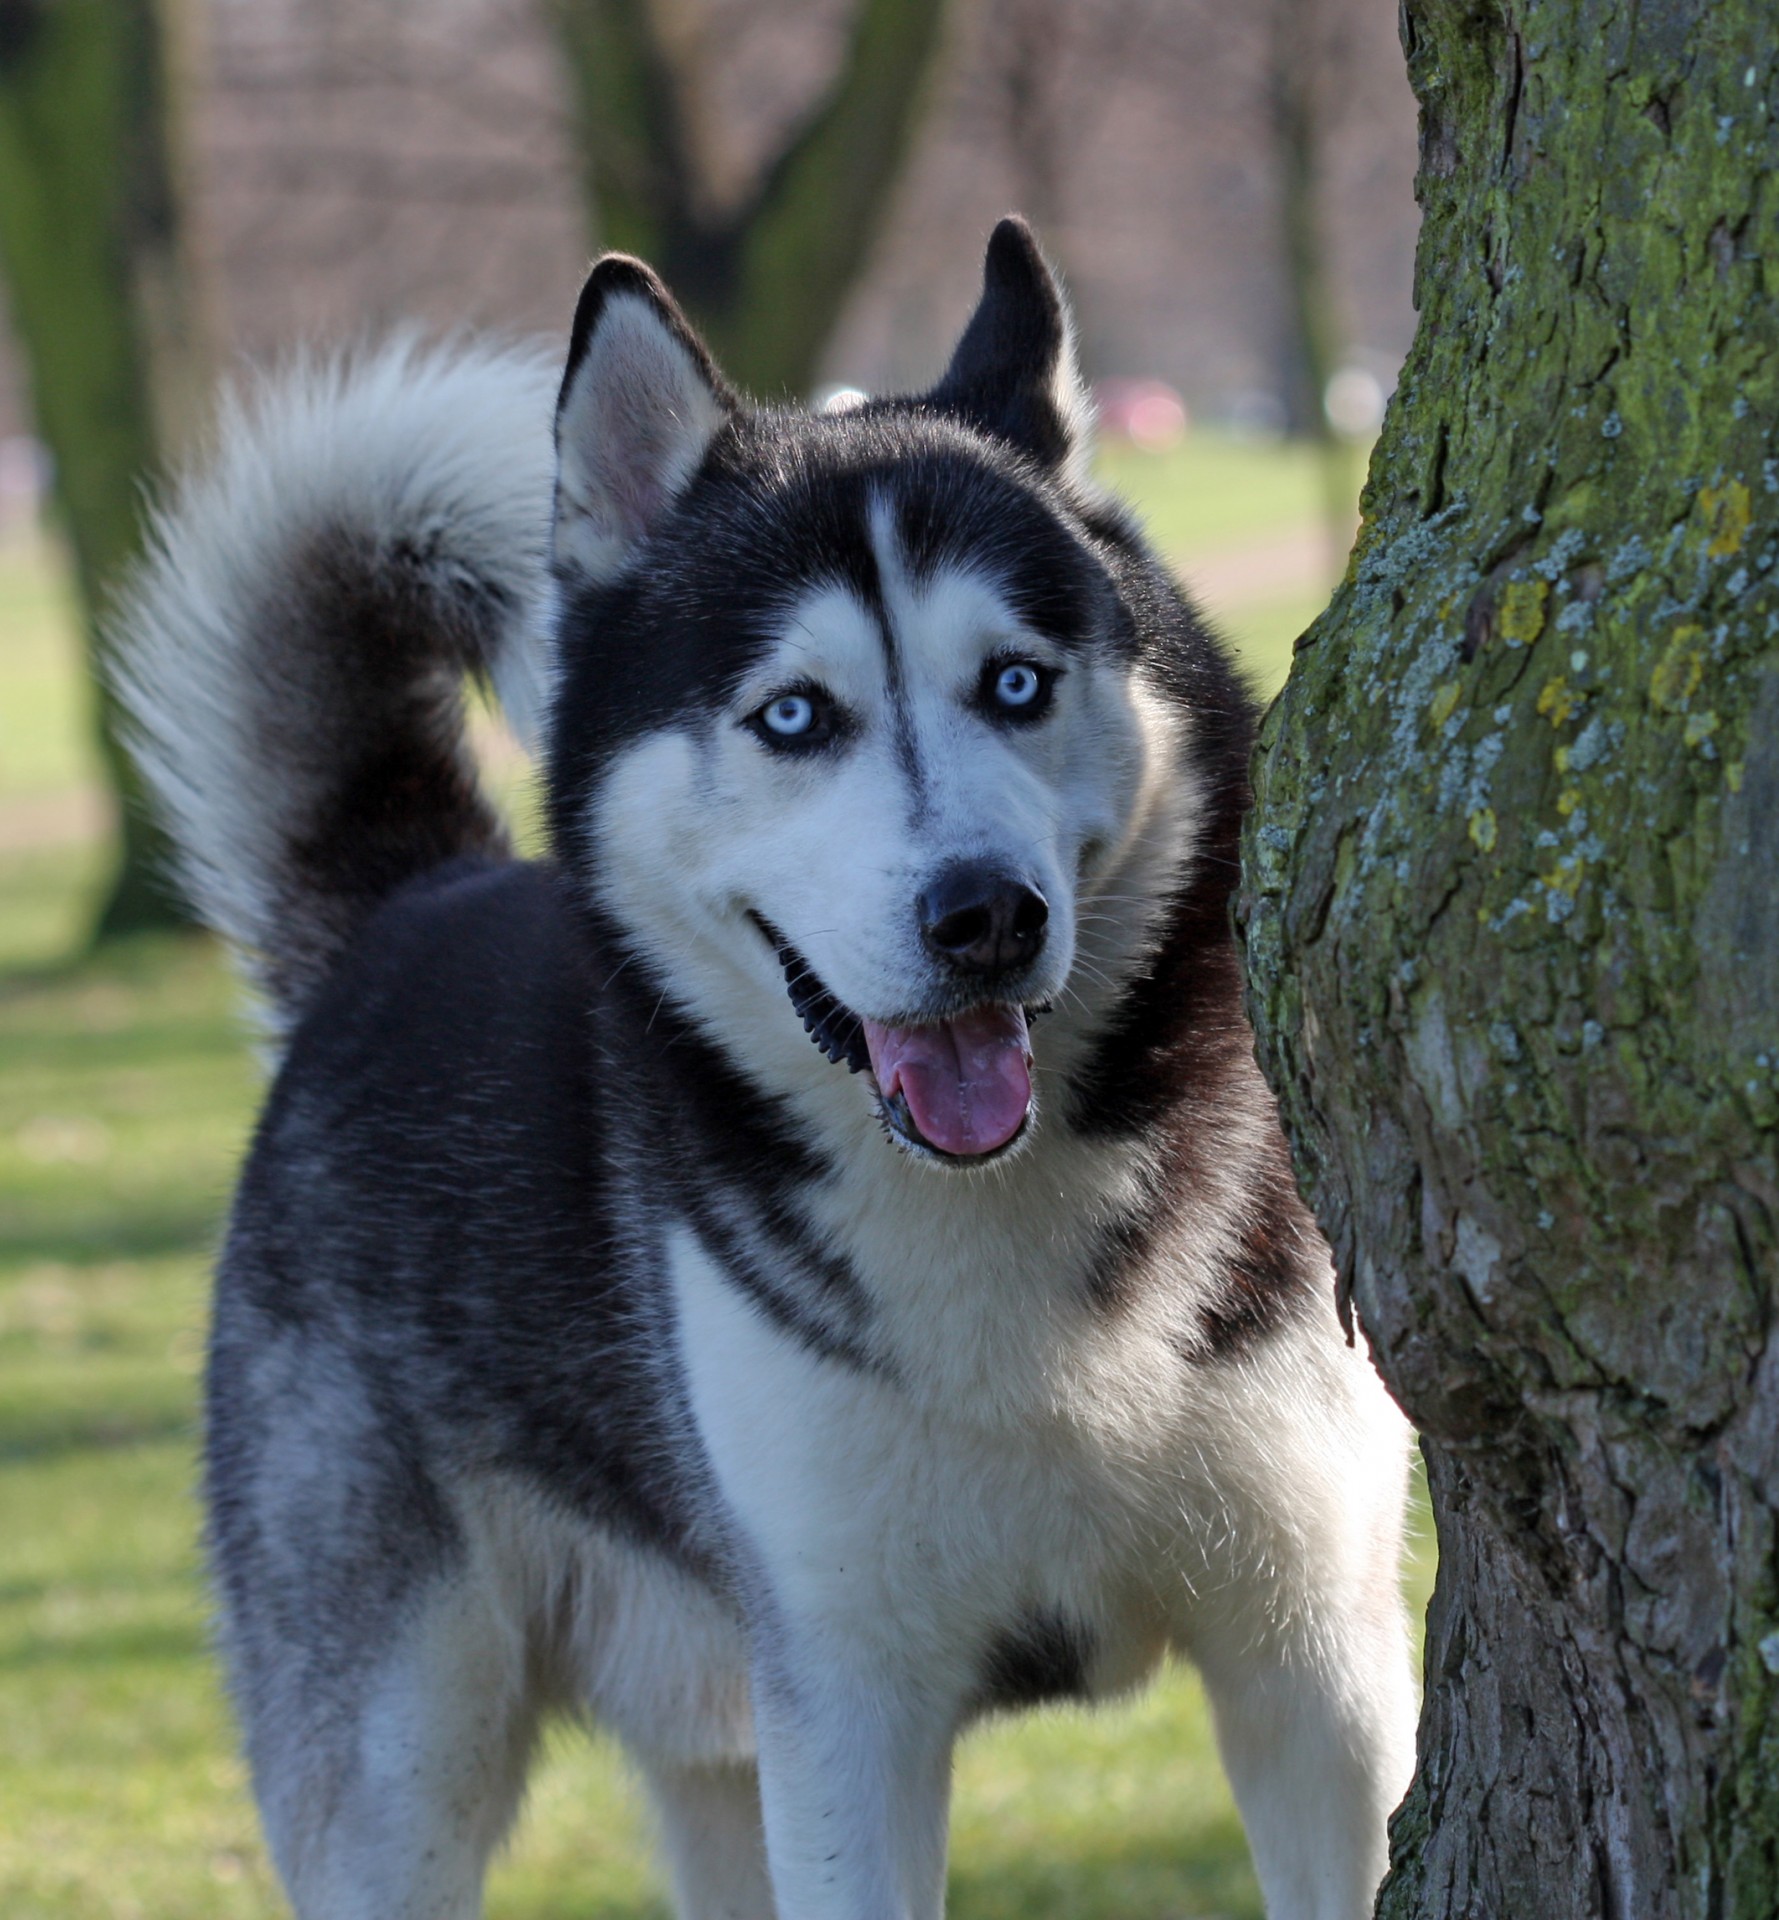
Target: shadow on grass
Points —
{"points": [[1139, 1882], [1145, 1879], [21, 982], [1139, 1877], [59, 1435], [132, 960], [95, 1584], [102, 1648], [65, 1039], [573, 1906], [114, 1232]]}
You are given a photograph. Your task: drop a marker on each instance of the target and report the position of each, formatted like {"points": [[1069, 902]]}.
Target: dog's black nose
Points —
{"points": [[980, 920]]}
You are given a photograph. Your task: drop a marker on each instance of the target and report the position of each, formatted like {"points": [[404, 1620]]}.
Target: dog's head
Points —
{"points": [[867, 729]]}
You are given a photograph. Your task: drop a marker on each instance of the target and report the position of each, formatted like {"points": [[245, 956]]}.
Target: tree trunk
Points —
{"points": [[766, 281], [1311, 351], [1297, 86], [1512, 914], [92, 247]]}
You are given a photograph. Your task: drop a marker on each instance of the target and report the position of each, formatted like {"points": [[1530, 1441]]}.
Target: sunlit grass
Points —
{"points": [[126, 1095], [1215, 488], [122, 1110], [44, 710]]}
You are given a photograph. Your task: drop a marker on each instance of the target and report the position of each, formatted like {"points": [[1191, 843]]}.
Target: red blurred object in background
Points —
{"points": [[1147, 413]]}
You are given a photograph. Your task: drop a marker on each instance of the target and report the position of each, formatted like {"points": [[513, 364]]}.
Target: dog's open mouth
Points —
{"points": [[959, 1087]]}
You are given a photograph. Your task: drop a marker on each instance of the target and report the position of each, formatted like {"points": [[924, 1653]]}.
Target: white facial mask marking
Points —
{"points": [[832, 847]]}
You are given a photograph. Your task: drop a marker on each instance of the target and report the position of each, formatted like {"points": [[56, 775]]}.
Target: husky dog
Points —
{"points": [[810, 1261]]}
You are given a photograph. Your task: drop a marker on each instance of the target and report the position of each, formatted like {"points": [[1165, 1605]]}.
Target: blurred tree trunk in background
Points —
{"points": [[92, 245], [766, 279], [1512, 914], [1296, 79], [1302, 67]]}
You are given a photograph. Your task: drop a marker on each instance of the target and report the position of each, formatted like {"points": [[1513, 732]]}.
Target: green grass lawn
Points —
{"points": [[126, 1093], [43, 705], [1215, 489]]}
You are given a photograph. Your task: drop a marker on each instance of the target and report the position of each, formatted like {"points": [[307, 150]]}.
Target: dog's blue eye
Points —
{"points": [[1016, 692], [790, 715], [796, 721], [1018, 685]]}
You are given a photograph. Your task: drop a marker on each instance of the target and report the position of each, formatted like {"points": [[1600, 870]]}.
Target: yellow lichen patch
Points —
{"points": [[1568, 800], [1556, 702], [1564, 877], [1482, 828], [1439, 708], [1726, 511], [1699, 727], [1521, 619], [1678, 672], [1733, 774]]}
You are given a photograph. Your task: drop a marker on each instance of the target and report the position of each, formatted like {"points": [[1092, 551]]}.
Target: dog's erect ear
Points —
{"points": [[1014, 373], [641, 398]]}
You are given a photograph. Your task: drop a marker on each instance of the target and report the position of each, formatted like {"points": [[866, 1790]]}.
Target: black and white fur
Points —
{"points": [[587, 1339]]}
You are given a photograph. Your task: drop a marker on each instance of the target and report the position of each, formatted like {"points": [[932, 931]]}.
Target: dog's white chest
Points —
{"points": [[906, 1525]]}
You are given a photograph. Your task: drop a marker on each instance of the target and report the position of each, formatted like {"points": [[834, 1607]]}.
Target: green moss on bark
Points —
{"points": [[1511, 923]]}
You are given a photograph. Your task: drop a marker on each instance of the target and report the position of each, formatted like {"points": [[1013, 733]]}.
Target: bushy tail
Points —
{"points": [[293, 651]]}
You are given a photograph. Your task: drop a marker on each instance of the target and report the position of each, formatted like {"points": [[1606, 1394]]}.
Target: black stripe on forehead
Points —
{"points": [[956, 516], [880, 516], [954, 503]]}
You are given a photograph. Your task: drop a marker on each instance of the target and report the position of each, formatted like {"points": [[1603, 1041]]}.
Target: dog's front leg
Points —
{"points": [[855, 1781], [1315, 1719]]}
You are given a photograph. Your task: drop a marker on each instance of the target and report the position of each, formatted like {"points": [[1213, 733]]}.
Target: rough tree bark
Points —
{"points": [[766, 279], [1512, 915], [94, 252]]}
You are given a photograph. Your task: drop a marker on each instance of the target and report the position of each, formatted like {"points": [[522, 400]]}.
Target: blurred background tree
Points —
{"points": [[766, 272], [96, 253], [1228, 191]]}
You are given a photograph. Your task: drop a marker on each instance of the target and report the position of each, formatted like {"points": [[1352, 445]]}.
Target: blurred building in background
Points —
{"points": [[356, 165]]}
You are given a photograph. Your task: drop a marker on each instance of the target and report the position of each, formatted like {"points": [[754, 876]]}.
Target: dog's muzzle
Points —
{"points": [[958, 1088]]}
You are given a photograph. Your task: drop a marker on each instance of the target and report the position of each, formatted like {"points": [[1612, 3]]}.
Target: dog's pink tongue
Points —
{"points": [[968, 1081]]}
